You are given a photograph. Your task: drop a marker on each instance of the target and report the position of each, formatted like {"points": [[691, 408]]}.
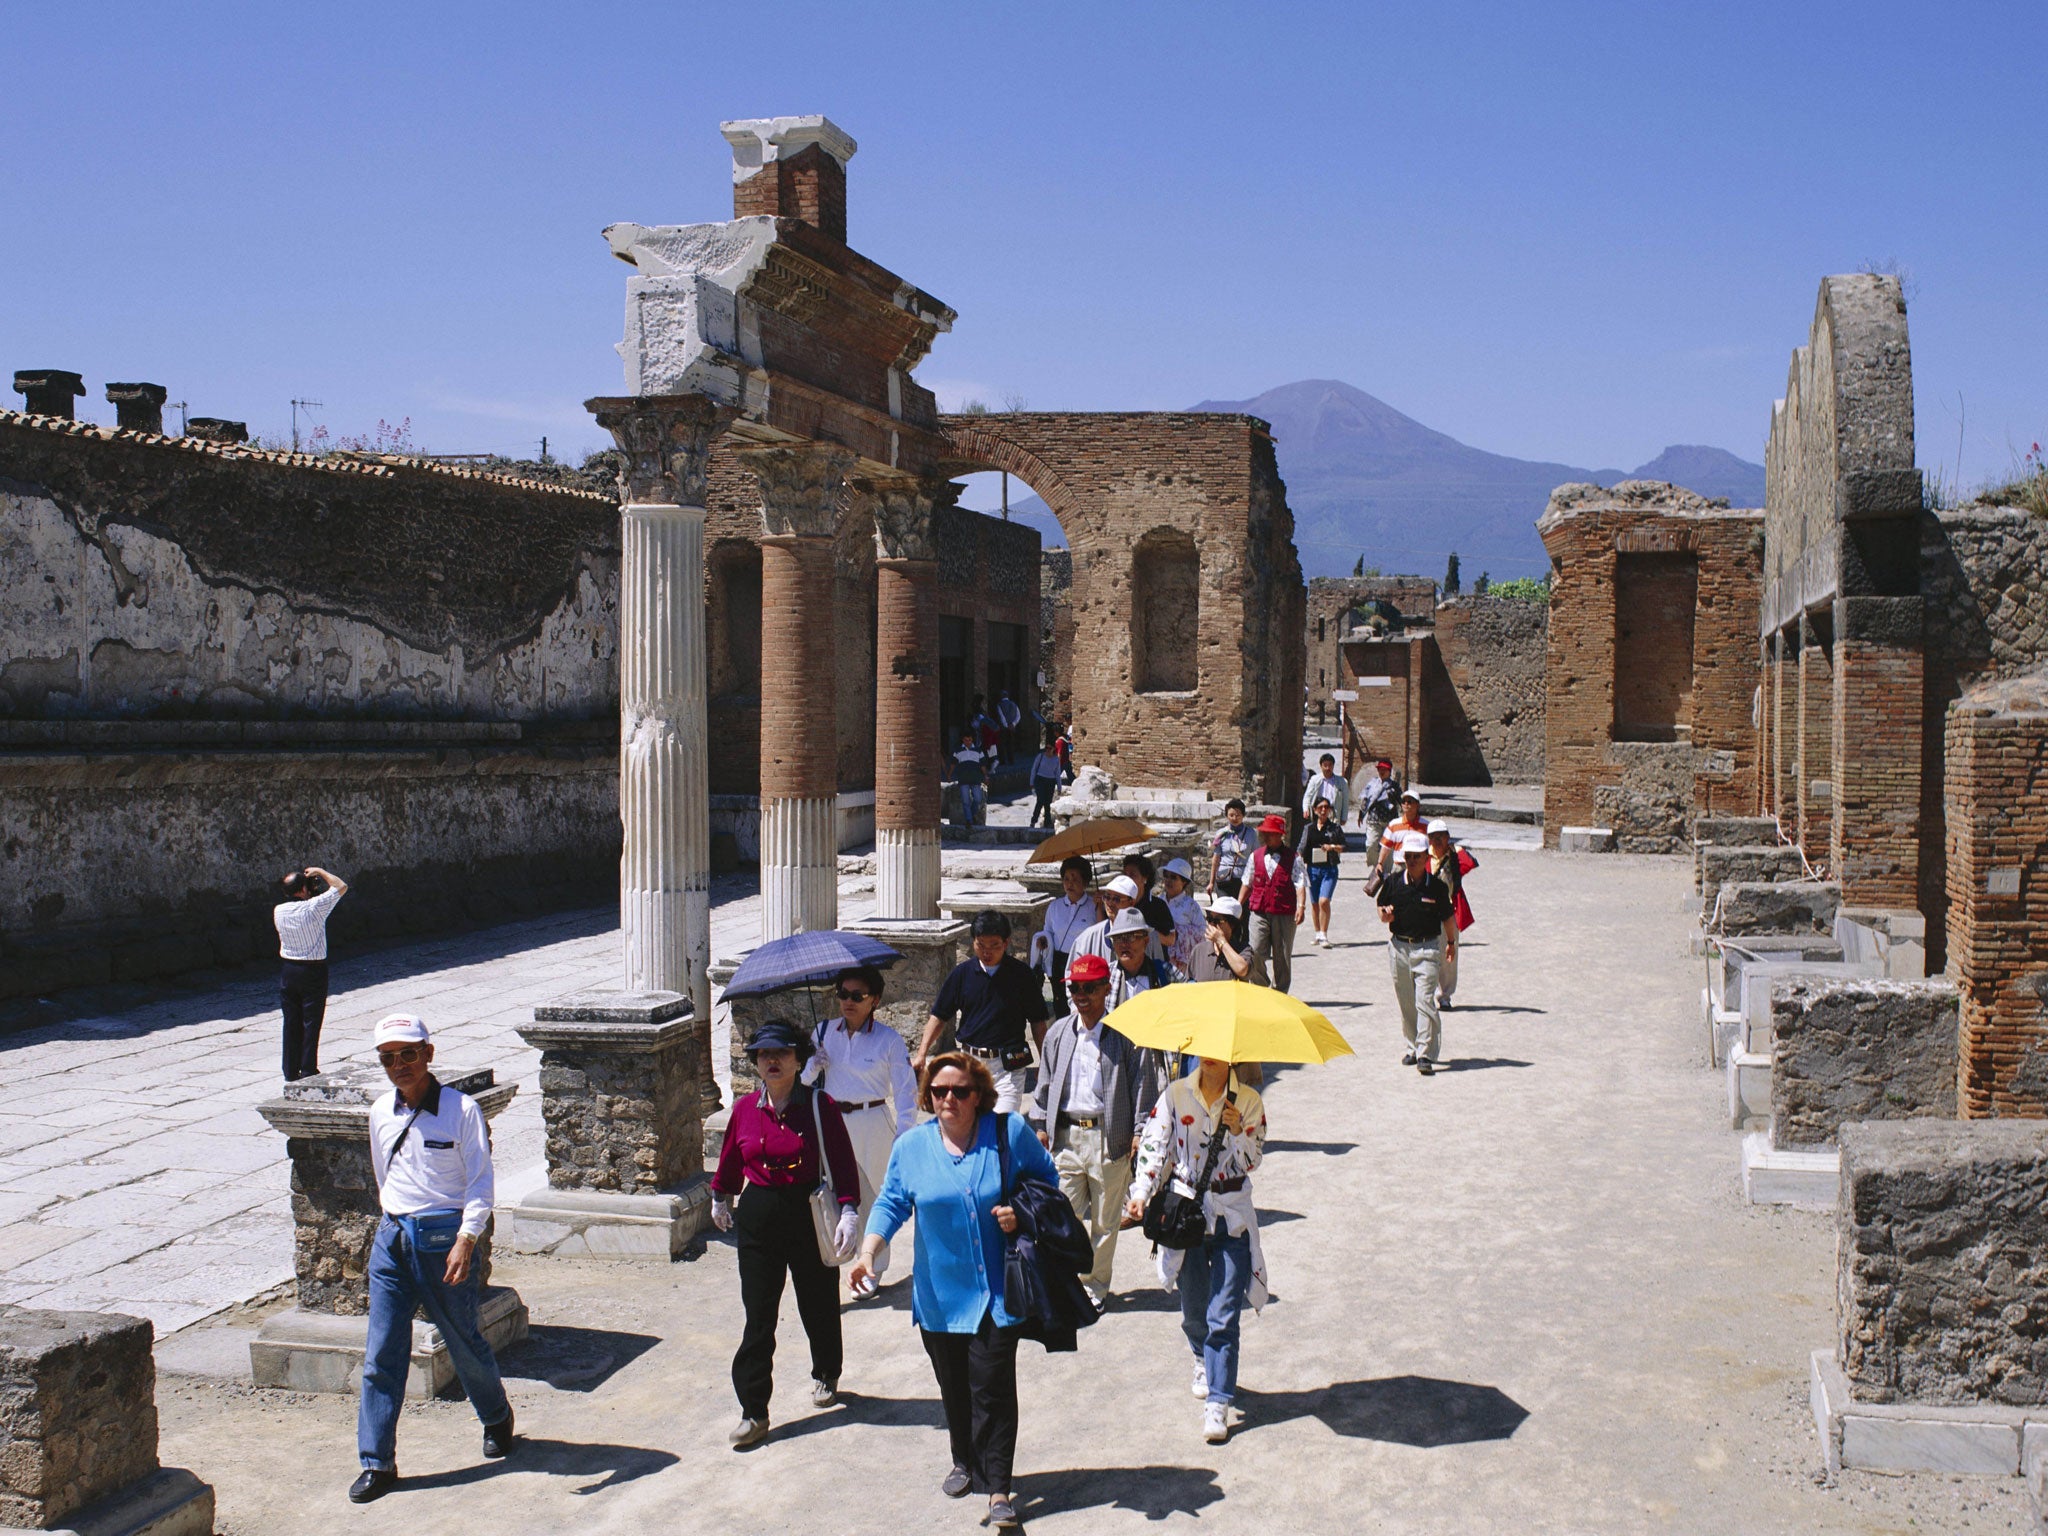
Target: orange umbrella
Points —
{"points": [[1085, 837]]}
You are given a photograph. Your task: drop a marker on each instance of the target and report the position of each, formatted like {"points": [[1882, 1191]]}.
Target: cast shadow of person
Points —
{"points": [[1422, 1411], [610, 1465], [1157, 1493]]}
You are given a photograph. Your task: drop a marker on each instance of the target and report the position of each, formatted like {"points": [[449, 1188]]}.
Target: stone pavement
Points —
{"points": [[135, 1172], [1524, 1295]]}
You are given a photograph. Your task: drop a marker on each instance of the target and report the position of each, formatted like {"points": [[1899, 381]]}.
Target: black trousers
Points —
{"points": [[1043, 791], [302, 989], [773, 1227], [977, 1375]]}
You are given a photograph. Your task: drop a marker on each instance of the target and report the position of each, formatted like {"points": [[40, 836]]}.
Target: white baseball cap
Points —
{"points": [[400, 1029], [1124, 886], [1130, 920], [1179, 867], [1225, 906], [1414, 842], [1439, 826]]}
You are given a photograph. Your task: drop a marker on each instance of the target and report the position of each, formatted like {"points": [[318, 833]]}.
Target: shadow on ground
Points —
{"points": [[611, 1465], [1423, 1411], [1157, 1493], [855, 1408], [573, 1359], [1479, 1063], [1327, 1148]]}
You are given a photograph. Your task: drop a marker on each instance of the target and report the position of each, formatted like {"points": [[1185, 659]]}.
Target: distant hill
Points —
{"points": [[1363, 479]]}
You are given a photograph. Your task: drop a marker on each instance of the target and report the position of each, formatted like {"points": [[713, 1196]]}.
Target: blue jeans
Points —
{"points": [[1213, 1281], [401, 1279], [972, 797]]}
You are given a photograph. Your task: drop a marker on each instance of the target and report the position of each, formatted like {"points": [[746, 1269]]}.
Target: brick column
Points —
{"points": [[1874, 844], [1816, 739], [664, 777], [1996, 822], [907, 697], [801, 489]]}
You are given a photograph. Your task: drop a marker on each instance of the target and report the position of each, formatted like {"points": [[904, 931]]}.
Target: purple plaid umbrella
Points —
{"points": [[805, 959]]}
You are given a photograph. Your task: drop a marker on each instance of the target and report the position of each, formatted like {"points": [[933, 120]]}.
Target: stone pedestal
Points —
{"points": [[619, 1082], [318, 1347], [930, 950], [801, 489], [664, 774], [78, 1430], [907, 747], [1023, 907]]}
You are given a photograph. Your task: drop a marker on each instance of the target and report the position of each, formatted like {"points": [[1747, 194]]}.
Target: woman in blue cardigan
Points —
{"points": [[947, 1173]]}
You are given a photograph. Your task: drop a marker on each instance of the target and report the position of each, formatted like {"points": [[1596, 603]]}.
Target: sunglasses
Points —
{"points": [[853, 997], [954, 1090], [404, 1056], [1087, 986]]}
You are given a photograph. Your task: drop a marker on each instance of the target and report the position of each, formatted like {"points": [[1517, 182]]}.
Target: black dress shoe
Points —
{"points": [[1408, 1058], [1426, 1067], [498, 1437], [957, 1482], [1002, 1514], [372, 1485]]}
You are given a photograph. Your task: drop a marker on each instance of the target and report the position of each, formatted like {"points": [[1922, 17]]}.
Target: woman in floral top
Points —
{"points": [[1229, 1268]]}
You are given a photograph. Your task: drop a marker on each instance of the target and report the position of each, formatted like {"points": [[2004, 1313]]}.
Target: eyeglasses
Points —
{"points": [[404, 1056], [1087, 986], [954, 1090], [854, 997]]}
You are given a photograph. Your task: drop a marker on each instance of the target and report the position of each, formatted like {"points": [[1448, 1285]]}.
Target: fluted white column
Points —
{"points": [[665, 869], [907, 872], [799, 864]]}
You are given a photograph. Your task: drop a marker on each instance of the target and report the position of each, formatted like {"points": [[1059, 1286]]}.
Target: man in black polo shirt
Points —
{"points": [[1416, 907], [1000, 1005]]}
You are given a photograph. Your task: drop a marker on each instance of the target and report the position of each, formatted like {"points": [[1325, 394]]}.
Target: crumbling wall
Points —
{"points": [[1859, 1049], [1333, 599], [1647, 790], [1115, 478], [1483, 691]]}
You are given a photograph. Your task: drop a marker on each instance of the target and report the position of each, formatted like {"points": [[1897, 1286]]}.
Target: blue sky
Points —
{"points": [[1564, 231]]}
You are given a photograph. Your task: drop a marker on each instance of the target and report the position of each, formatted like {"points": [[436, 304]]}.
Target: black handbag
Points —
{"points": [[1175, 1220]]}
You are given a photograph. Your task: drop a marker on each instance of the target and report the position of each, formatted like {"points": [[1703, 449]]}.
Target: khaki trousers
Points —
{"points": [[1416, 966], [1095, 1186], [1272, 943]]}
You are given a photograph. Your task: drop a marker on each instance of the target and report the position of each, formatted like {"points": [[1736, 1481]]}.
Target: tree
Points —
{"points": [[1479, 587], [1359, 569], [1451, 576]]}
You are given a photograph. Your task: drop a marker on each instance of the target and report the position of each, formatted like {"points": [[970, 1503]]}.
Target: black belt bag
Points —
{"points": [[1175, 1220]]}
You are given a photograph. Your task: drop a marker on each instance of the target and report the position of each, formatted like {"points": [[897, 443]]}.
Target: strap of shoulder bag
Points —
{"points": [[1002, 1157], [824, 1163], [404, 1132]]}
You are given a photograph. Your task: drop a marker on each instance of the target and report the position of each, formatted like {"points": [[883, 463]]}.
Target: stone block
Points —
{"points": [[1749, 1086], [1803, 1178], [1756, 980], [1942, 1292], [1733, 954], [168, 1502], [620, 1090], [1787, 906], [77, 1411], [1734, 831], [1721, 866], [930, 949], [1980, 1440], [1024, 908], [1585, 839], [323, 1352], [594, 1224], [1848, 1049]]}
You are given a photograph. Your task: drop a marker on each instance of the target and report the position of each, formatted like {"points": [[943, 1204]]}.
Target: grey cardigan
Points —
{"points": [[1128, 1090]]}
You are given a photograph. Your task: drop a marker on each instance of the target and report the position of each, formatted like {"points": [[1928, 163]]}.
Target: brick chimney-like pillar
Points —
{"points": [[139, 407], [50, 391], [907, 695], [801, 488], [217, 429], [792, 168]]}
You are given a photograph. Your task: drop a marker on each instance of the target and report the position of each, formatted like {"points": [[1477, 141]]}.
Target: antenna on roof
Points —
{"points": [[308, 406]]}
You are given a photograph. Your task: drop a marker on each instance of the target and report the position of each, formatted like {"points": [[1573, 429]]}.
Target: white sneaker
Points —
{"points": [[1216, 1423], [824, 1393], [747, 1431], [1201, 1384]]}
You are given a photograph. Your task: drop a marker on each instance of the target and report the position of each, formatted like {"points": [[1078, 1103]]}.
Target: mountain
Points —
{"points": [[1363, 478]]}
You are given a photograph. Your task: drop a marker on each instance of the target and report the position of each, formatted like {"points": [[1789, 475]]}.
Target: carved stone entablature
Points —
{"points": [[791, 285], [906, 513], [667, 442], [803, 487]]}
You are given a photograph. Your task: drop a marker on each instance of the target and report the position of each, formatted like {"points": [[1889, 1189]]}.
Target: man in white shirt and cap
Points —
{"points": [[432, 1157]]}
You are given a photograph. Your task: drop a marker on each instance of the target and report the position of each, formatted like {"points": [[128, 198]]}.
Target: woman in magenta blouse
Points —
{"points": [[770, 1164]]}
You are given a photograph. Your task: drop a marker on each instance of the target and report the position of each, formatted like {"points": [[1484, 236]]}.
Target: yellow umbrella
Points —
{"points": [[1228, 1021], [1085, 837]]}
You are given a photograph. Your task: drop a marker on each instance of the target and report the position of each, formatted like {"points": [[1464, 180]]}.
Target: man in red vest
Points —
{"points": [[1275, 893]]}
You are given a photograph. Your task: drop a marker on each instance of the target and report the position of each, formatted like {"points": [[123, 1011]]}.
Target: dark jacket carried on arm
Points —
{"points": [[1045, 1259]]}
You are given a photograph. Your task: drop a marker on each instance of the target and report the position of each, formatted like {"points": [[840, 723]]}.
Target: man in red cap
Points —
{"points": [[1276, 895], [1093, 1096]]}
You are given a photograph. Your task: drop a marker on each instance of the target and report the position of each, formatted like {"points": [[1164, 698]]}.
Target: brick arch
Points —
{"points": [[983, 449]]}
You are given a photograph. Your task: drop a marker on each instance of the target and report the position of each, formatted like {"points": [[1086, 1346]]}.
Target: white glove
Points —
{"points": [[848, 1229], [721, 1214]]}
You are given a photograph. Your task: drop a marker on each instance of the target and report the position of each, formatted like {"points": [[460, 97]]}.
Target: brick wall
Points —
{"points": [[1874, 835], [1115, 478], [1996, 822], [1586, 531], [1331, 599]]}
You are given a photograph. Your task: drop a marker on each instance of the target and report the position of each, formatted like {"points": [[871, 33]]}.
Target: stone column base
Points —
{"points": [[168, 1502], [907, 873], [1984, 1439], [600, 1224], [323, 1351], [799, 864]]}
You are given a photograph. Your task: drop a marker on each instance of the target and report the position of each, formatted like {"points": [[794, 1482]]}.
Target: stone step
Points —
{"points": [[1807, 1178]]}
